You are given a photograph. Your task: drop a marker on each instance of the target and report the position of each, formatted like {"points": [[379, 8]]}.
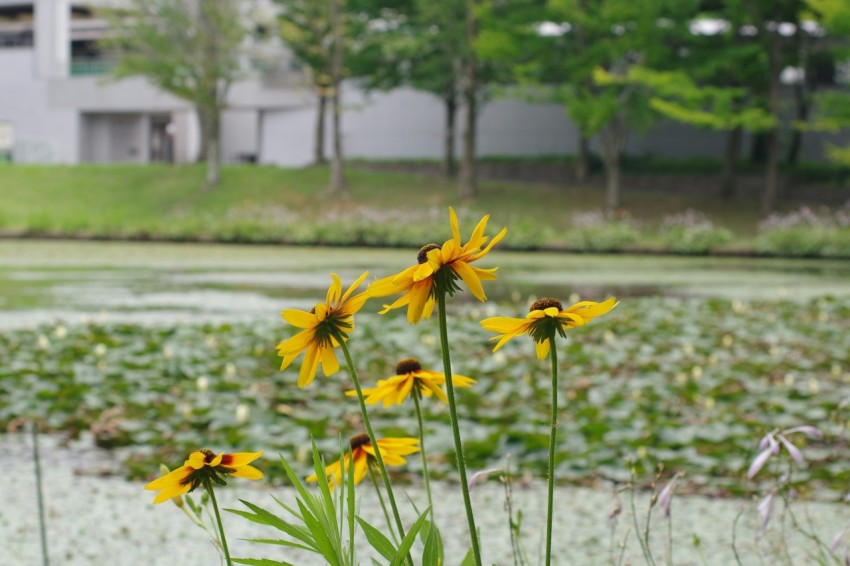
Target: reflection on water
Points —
{"points": [[166, 283]]}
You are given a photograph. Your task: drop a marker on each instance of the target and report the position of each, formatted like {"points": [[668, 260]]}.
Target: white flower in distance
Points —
{"points": [[772, 443]]}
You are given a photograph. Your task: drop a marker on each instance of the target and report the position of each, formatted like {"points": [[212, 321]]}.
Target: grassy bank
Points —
{"points": [[269, 204]]}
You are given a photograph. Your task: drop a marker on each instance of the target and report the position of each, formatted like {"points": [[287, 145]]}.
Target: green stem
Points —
{"points": [[42, 522], [450, 391], [208, 486], [383, 505], [553, 354], [367, 423], [416, 396]]}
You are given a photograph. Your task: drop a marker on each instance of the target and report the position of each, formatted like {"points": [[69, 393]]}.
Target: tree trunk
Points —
{"points": [[582, 158], [802, 104], [449, 162], [728, 178], [612, 183], [319, 149], [213, 145], [337, 174], [771, 181], [467, 182]]}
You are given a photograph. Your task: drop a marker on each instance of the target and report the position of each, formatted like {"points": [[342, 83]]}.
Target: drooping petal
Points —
{"points": [[309, 365], [542, 349], [361, 466], [473, 283], [330, 365]]}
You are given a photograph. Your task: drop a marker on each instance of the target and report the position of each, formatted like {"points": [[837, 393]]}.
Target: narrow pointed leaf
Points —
{"points": [[378, 540]]}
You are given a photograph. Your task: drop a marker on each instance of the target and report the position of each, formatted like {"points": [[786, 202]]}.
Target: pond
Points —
{"points": [[46, 281]]}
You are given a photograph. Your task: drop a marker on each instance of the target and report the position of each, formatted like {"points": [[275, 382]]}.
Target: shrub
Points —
{"points": [[806, 232], [598, 231], [692, 232]]}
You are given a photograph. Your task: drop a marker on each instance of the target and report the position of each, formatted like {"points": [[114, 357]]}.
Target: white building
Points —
{"points": [[60, 105]]}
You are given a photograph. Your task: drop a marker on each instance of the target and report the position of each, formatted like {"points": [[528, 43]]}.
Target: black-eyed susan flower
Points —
{"points": [[204, 467], [546, 318], [438, 268], [362, 454], [323, 326], [409, 374]]}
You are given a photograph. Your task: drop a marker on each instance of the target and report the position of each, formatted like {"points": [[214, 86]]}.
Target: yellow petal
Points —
{"points": [[504, 325], [248, 472], [473, 283], [334, 290], [542, 349], [197, 460], [455, 226], [240, 459], [309, 366], [299, 318], [354, 286], [296, 343], [330, 365]]}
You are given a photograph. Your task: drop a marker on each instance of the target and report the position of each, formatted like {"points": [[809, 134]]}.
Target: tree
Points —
{"points": [[306, 28], [189, 48], [833, 106], [577, 53]]}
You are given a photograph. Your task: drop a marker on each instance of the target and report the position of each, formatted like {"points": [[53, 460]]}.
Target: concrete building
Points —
{"points": [[58, 104]]}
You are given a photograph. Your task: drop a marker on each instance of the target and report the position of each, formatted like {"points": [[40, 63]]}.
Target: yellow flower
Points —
{"points": [[420, 282], [546, 317], [394, 390], [323, 326], [363, 454], [202, 466]]}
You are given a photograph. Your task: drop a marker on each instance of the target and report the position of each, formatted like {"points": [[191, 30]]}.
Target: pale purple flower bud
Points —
{"points": [[768, 440], [666, 496], [836, 540], [792, 450], [765, 509], [480, 477], [618, 508], [759, 462], [805, 429]]}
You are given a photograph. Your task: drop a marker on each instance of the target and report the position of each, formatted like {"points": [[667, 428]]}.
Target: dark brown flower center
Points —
{"points": [[407, 365], [422, 257], [358, 441], [209, 455], [544, 304]]}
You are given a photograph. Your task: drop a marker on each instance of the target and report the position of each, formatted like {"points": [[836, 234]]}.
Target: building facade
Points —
{"points": [[59, 104]]}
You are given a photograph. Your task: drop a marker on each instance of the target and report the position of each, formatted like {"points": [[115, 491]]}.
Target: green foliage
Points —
{"points": [[598, 232], [692, 232], [807, 233], [692, 381]]}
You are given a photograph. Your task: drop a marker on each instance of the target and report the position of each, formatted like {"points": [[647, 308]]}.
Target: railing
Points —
{"points": [[88, 67]]}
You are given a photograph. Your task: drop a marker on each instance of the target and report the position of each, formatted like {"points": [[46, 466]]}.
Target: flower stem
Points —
{"points": [[42, 522], [383, 505], [367, 423], [416, 396], [209, 488], [553, 353], [450, 392]]}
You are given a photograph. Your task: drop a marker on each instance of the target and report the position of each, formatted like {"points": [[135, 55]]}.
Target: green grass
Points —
{"points": [[270, 204]]}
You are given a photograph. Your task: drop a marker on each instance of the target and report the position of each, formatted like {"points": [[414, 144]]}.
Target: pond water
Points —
{"points": [[46, 281]]}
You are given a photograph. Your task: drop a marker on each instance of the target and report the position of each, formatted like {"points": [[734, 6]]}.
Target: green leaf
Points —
{"points": [[263, 517], [469, 559], [260, 562], [409, 539], [432, 554], [377, 539]]}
